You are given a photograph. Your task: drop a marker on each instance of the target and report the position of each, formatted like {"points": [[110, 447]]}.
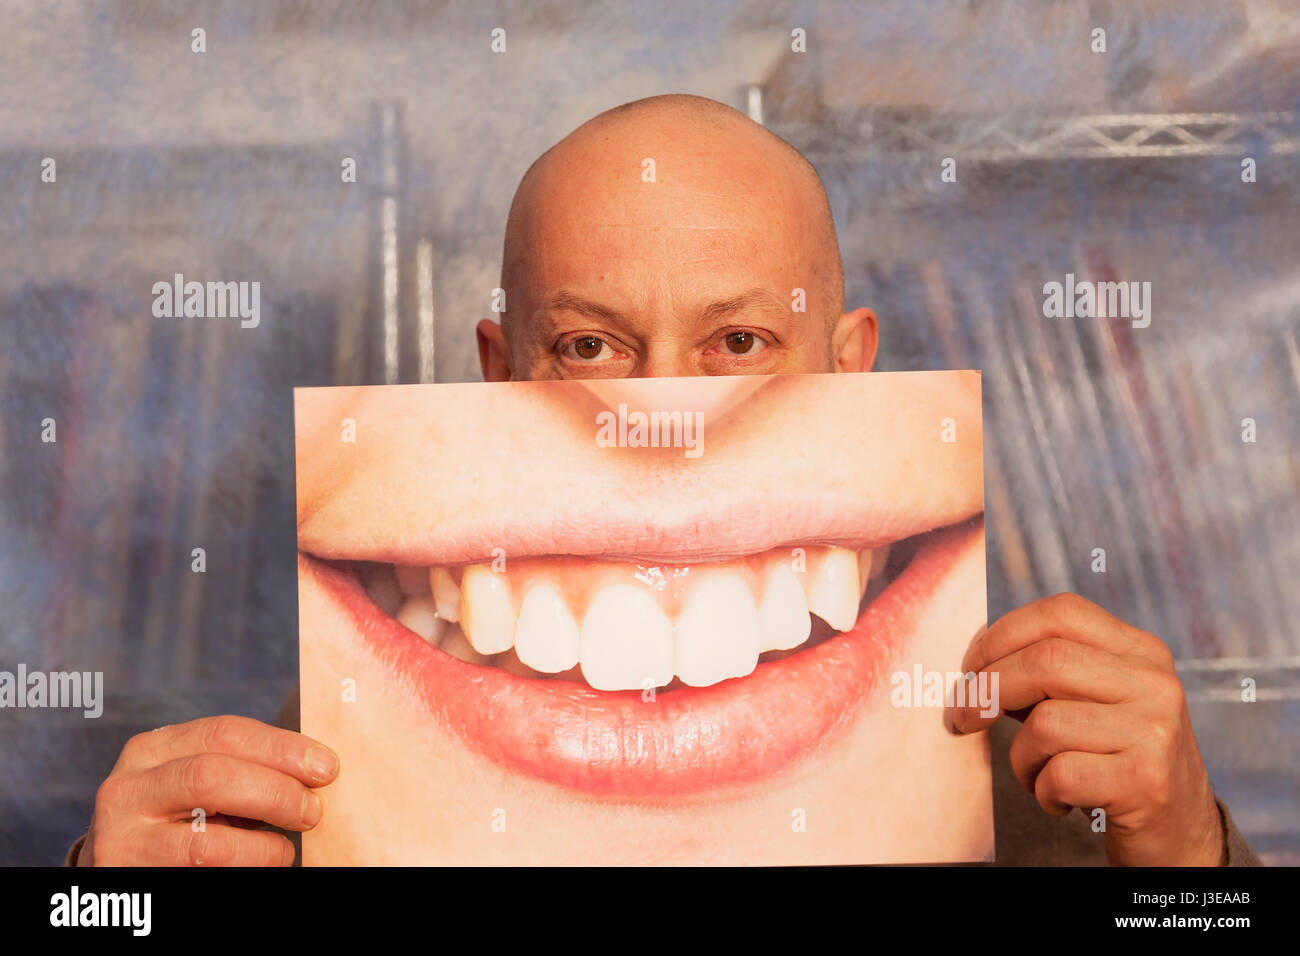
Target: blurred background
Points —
{"points": [[177, 433]]}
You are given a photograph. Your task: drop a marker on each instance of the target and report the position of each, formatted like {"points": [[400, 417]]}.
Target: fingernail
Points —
{"points": [[311, 808], [322, 763]]}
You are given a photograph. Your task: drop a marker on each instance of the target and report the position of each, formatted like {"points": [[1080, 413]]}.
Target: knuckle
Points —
{"points": [[1159, 649], [1154, 783], [1163, 735], [1050, 656], [1064, 606], [136, 747], [222, 733], [110, 793], [1167, 691], [190, 728], [1166, 740], [201, 775], [1045, 721]]}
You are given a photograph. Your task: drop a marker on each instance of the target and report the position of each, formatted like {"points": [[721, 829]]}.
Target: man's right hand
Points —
{"points": [[240, 772]]}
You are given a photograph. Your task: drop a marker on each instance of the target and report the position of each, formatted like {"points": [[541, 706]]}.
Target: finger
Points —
{"points": [[296, 754], [1066, 616], [180, 845], [177, 844], [1052, 668], [1058, 726], [1075, 779], [229, 786]]}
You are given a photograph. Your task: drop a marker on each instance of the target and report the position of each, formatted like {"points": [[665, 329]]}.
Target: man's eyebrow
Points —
{"points": [[752, 298], [567, 301], [714, 311]]}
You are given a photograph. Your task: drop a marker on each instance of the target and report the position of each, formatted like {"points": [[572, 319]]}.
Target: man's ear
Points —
{"points": [[493, 353], [854, 341]]}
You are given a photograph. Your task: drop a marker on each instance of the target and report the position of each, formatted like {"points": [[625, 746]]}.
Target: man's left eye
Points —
{"points": [[743, 343], [589, 348]]}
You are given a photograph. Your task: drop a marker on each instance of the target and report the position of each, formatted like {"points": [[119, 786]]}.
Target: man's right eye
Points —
{"points": [[588, 348]]}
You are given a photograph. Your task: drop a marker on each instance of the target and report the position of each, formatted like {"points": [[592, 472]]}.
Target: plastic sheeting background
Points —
{"points": [[175, 434]]}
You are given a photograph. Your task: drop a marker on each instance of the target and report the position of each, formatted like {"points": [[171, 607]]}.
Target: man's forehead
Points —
{"points": [[570, 230], [682, 244]]}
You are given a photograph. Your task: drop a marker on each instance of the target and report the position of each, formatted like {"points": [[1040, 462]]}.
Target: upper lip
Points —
{"points": [[701, 534]]}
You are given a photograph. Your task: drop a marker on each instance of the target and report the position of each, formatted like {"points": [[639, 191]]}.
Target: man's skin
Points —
{"points": [[611, 273]]}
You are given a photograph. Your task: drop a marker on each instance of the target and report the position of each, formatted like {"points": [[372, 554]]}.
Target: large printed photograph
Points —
{"points": [[647, 621]]}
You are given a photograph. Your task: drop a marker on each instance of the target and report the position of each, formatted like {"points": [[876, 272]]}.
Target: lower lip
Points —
{"points": [[686, 741]]}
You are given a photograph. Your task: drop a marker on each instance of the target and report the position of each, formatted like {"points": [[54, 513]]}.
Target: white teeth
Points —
{"points": [[381, 585], [833, 588], [419, 614], [546, 636], [626, 640], [716, 637], [446, 594], [456, 645], [486, 616], [412, 580], [783, 620]]}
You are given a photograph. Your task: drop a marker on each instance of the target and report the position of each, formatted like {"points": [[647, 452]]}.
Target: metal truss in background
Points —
{"points": [[1014, 138]]}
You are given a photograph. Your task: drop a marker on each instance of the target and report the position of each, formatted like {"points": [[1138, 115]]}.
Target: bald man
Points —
{"points": [[683, 267], [665, 238]]}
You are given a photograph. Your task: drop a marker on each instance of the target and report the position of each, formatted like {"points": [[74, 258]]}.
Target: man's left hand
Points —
{"points": [[1105, 726]]}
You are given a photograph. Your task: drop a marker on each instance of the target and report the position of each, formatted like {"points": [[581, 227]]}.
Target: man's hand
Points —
{"points": [[239, 771], [1105, 725]]}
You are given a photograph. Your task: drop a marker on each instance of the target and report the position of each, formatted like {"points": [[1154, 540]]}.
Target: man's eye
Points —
{"points": [[588, 348], [743, 343]]}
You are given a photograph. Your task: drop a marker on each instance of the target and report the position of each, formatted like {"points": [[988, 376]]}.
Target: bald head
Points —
{"points": [[671, 236]]}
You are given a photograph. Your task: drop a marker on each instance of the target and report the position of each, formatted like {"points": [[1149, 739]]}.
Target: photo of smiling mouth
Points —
{"points": [[530, 618], [646, 678]]}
